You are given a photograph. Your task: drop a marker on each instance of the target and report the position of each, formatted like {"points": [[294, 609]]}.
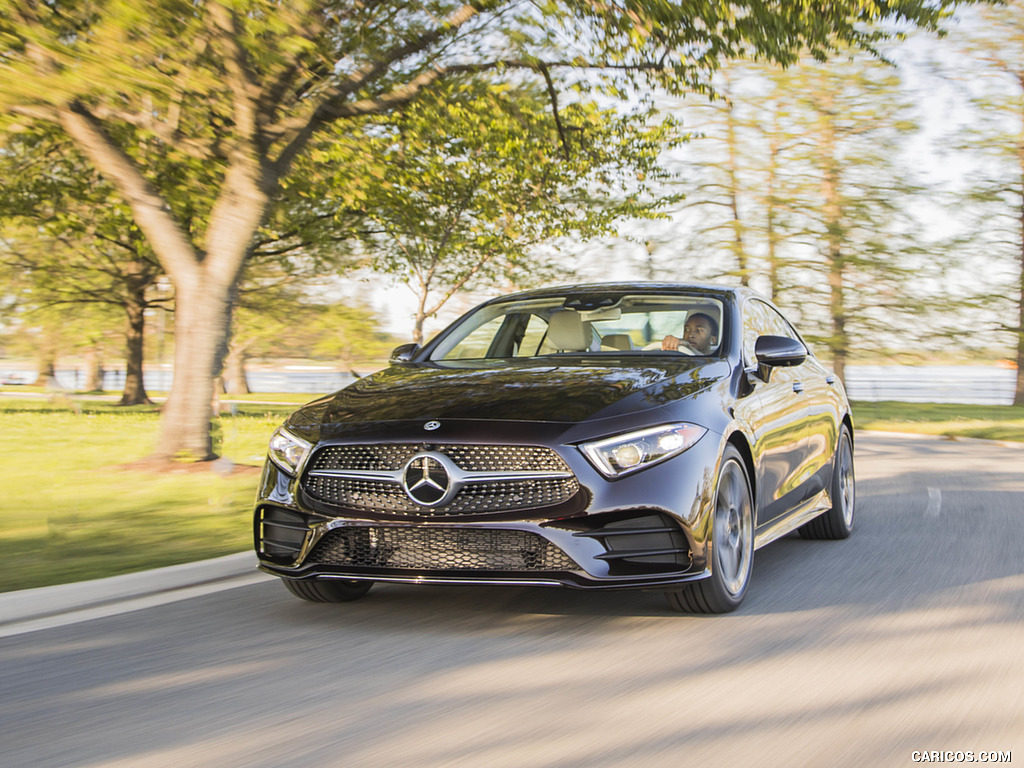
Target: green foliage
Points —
{"points": [[460, 188], [283, 320], [75, 252], [64, 227], [349, 333], [802, 182], [988, 201], [197, 111]]}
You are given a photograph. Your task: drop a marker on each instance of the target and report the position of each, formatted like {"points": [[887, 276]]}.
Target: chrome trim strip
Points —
{"points": [[485, 477], [639, 582], [394, 476], [457, 475], [442, 580], [814, 507], [586, 581]]}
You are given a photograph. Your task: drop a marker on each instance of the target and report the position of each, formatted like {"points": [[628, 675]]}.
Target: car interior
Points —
{"points": [[630, 324]]}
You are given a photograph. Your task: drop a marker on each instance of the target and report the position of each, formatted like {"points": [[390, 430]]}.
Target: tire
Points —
{"points": [[328, 590], [837, 523], [731, 555]]}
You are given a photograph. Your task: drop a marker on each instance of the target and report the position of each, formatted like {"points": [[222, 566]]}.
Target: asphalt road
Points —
{"points": [[907, 637]]}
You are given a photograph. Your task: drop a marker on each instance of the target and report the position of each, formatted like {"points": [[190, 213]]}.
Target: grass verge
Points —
{"points": [[988, 422], [70, 509]]}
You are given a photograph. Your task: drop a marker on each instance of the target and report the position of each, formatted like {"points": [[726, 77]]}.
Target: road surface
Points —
{"points": [[906, 638]]}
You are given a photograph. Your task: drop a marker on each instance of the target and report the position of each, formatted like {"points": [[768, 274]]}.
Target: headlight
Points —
{"points": [[620, 455], [287, 450]]}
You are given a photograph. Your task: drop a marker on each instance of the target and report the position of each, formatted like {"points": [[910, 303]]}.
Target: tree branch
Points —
{"points": [[227, 31], [554, 108], [297, 132], [150, 210]]}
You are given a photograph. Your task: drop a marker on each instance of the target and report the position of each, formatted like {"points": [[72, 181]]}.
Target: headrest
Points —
{"points": [[617, 340], [567, 332]]}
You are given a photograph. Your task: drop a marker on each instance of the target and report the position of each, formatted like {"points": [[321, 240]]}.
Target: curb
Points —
{"points": [[43, 602], [946, 438]]}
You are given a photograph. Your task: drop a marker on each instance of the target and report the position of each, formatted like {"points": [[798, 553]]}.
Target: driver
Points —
{"points": [[700, 333]]}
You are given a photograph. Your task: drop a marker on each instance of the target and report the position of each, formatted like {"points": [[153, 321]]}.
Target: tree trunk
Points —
{"points": [[47, 370], [1018, 394], [93, 369], [738, 247], [235, 381], [833, 212], [420, 317], [134, 386], [201, 321]]}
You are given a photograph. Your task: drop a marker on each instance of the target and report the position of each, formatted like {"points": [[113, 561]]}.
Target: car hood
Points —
{"points": [[517, 391]]}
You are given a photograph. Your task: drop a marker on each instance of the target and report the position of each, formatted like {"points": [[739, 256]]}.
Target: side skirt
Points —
{"points": [[804, 513]]}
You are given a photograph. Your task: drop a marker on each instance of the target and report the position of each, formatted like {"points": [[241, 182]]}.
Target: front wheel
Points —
{"points": [[732, 545], [837, 523], [328, 590]]}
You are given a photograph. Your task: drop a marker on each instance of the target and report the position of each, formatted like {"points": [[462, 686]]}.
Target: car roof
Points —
{"points": [[635, 286]]}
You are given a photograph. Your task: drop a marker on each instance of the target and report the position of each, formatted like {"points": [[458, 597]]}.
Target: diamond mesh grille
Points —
{"points": [[473, 498], [472, 458], [440, 549]]}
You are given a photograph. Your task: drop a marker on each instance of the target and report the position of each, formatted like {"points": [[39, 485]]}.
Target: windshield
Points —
{"points": [[676, 324]]}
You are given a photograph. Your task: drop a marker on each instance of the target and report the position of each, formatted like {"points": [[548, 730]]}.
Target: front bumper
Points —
{"points": [[636, 549], [648, 530]]}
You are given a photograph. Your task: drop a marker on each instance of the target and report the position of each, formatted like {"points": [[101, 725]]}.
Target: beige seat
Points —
{"points": [[619, 341], [567, 332]]}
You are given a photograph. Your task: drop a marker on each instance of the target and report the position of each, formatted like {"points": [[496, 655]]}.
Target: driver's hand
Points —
{"points": [[670, 342]]}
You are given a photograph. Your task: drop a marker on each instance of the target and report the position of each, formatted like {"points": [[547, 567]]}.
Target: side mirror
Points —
{"points": [[404, 353], [779, 351]]}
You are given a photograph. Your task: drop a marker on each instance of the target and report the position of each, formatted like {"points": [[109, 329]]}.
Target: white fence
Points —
{"points": [[988, 385]]}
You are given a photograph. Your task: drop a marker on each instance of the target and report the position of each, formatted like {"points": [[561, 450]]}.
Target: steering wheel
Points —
{"points": [[684, 348]]}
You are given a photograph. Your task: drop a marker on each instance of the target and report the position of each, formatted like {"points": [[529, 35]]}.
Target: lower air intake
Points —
{"points": [[440, 549]]}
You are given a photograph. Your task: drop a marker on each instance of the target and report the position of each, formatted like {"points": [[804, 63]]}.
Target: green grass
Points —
{"points": [[71, 510], [989, 422]]}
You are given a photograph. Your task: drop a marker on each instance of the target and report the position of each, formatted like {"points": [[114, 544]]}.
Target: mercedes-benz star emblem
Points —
{"points": [[427, 481], [430, 426]]}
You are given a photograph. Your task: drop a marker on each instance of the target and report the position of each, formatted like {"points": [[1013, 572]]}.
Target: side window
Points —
{"points": [[536, 328], [477, 343], [753, 322], [759, 319]]}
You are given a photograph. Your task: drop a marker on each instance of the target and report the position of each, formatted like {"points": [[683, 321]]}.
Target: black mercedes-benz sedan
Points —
{"points": [[632, 435]]}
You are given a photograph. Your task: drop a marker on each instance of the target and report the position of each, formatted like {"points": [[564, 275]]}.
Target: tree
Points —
{"points": [[717, 173], [282, 320], [66, 230], [867, 240], [233, 92], [994, 191], [468, 182], [828, 222]]}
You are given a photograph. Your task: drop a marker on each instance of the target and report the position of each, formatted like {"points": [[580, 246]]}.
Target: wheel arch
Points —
{"points": [[848, 423], [739, 441]]}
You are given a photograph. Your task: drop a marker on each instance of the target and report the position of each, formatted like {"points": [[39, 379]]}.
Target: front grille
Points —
{"points": [[440, 549], [359, 457], [472, 458], [369, 477], [472, 499]]}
